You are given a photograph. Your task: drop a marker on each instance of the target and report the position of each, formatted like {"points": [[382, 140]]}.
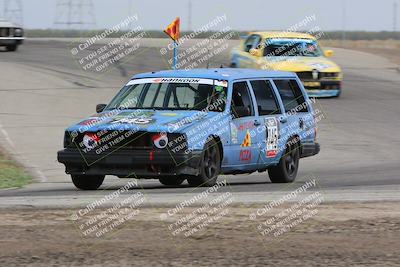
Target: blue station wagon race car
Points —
{"points": [[193, 125]]}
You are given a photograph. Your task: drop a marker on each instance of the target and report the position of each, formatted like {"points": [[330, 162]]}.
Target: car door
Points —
{"points": [[269, 112], [245, 59], [244, 120], [298, 120]]}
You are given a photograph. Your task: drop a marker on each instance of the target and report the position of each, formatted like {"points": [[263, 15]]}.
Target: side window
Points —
{"points": [[291, 95], [241, 105], [266, 101], [251, 42]]}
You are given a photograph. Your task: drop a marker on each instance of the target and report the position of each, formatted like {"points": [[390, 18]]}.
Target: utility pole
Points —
{"points": [[72, 13], [394, 16], [190, 15], [343, 22], [13, 11], [131, 13]]}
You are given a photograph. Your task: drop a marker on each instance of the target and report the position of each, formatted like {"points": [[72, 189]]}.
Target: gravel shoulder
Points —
{"points": [[342, 234]]}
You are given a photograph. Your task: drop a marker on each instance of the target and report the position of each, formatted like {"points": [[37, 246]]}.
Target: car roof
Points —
{"points": [[229, 74], [280, 34]]}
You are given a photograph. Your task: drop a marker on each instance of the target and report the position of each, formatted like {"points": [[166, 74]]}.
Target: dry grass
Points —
{"points": [[11, 174]]}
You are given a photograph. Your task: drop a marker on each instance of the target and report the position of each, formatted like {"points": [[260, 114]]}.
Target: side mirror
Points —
{"points": [[241, 111], [328, 53], [255, 52], [100, 107]]}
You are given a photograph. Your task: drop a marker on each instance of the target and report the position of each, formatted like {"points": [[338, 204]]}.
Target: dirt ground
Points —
{"points": [[392, 55], [342, 234], [389, 49]]}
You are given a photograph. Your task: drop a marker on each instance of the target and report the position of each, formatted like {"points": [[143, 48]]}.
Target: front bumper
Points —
{"points": [[143, 163], [308, 150], [322, 88], [11, 40], [323, 93]]}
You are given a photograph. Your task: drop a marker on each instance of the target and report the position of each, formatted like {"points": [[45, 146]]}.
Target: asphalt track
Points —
{"points": [[43, 90]]}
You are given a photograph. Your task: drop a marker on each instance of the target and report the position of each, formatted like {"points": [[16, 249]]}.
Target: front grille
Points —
{"points": [[107, 138], [326, 85], [107, 141], [323, 75], [304, 75], [5, 32], [307, 75]]}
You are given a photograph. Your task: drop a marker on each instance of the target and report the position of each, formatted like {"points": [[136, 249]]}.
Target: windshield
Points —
{"points": [[291, 48], [172, 94]]}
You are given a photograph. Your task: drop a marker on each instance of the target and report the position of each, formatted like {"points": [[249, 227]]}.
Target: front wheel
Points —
{"points": [[286, 170], [210, 166], [175, 180], [87, 182], [12, 48]]}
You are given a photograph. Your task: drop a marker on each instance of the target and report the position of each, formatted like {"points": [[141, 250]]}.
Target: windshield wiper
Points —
{"points": [[124, 108]]}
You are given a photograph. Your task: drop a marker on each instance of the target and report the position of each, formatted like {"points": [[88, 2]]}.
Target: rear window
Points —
{"points": [[292, 97]]}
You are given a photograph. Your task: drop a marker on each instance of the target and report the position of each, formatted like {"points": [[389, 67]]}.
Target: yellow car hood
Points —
{"points": [[296, 64]]}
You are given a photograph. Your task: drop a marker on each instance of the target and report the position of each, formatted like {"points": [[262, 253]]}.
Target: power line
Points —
{"points": [[72, 13]]}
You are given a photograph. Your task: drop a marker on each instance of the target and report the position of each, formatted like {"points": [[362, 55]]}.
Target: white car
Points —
{"points": [[11, 35]]}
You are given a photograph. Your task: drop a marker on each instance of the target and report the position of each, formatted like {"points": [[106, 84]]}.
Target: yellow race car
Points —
{"points": [[294, 52]]}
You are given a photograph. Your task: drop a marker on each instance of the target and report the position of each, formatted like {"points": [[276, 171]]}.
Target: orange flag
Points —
{"points": [[172, 29]]}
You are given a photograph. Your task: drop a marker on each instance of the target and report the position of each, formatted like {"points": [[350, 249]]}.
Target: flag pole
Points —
{"points": [[173, 32], [175, 55]]}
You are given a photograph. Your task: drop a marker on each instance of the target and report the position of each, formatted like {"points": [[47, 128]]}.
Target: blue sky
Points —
{"points": [[241, 15]]}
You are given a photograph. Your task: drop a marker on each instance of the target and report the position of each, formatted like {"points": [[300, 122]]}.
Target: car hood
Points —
{"points": [[7, 24], [142, 120], [297, 64]]}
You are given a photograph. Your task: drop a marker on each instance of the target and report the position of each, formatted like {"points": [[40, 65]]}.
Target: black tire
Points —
{"points": [[286, 170], [87, 182], [12, 48], [233, 65], [171, 181], [210, 166]]}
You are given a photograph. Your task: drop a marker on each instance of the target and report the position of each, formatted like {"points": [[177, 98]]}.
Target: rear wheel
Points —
{"points": [[210, 166], [175, 180], [12, 48], [87, 182], [286, 170]]}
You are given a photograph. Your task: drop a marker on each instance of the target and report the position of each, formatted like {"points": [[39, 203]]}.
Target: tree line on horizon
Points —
{"points": [[65, 33]]}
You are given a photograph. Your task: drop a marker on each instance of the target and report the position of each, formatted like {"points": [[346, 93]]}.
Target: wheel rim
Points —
{"points": [[291, 161], [210, 162]]}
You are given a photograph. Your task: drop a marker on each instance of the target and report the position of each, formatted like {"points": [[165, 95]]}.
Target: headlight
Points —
{"points": [[160, 140], [18, 32], [67, 140], [90, 140]]}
